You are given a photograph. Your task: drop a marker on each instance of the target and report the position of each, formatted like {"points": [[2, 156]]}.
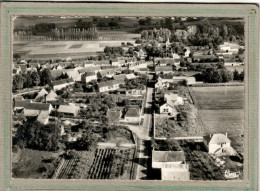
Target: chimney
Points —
{"points": [[226, 134], [210, 135]]}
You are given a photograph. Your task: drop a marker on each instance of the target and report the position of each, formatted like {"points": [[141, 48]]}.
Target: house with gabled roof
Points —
{"points": [[219, 144], [131, 76], [68, 110], [106, 73], [34, 109], [59, 84], [133, 115], [73, 74], [52, 96], [41, 94], [109, 85]]}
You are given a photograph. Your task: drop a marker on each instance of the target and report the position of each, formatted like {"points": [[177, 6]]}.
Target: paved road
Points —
{"points": [[143, 136]]}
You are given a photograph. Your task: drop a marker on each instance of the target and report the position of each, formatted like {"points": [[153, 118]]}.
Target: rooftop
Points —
{"points": [[168, 156]]}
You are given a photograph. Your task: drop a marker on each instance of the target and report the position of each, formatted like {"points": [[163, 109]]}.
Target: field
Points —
{"points": [[32, 49], [229, 121], [221, 97], [221, 109]]}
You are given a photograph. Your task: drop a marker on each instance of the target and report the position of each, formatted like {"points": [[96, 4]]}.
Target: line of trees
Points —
{"points": [[59, 34], [31, 79]]}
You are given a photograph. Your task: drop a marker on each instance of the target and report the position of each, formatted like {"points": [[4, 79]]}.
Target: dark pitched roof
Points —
{"points": [[38, 106], [21, 103], [168, 156]]}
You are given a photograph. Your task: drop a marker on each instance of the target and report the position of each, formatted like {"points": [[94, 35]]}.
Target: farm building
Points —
{"points": [[164, 81], [219, 144], [168, 109], [68, 110], [59, 84], [108, 86], [52, 96], [88, 76], [133, 115], [171, 164], [34, 109]]}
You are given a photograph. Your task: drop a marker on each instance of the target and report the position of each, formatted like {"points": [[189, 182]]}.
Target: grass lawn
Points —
{"points": [[34, 164], [221, 97]]}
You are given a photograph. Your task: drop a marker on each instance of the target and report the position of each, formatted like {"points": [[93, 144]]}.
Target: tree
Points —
{"points": [[88, 141], [131, 50], [35, 78], [38, 136], [18, 82], [78, 87], [16, 56], [172, 145], [45, 76], [152, 50]]}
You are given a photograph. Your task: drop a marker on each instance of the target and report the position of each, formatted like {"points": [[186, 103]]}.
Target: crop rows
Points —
{"points": [[67, 168], [102, 164]]}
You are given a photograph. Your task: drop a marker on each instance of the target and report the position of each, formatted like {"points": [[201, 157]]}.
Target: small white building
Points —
{"points": [[108, 86], [59, 84], [69, 110], [219, 144]]}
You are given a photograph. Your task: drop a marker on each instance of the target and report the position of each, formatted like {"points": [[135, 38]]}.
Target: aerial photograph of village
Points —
{"points": [[128, 98]]}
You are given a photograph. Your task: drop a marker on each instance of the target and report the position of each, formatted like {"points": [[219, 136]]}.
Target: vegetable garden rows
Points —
{"points": [[107, 164]]}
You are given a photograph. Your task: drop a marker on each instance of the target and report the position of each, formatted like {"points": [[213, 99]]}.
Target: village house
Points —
{"points": [[133, 115], [68, 110], [88, 76], [56, 73], [164, 81], [52, 96], [164, 69], [59, 84], [106, 73], [230, 47], [219, 144], [73, 74], [171, 164], [34, 109], [168, 105], [108, 86]]}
